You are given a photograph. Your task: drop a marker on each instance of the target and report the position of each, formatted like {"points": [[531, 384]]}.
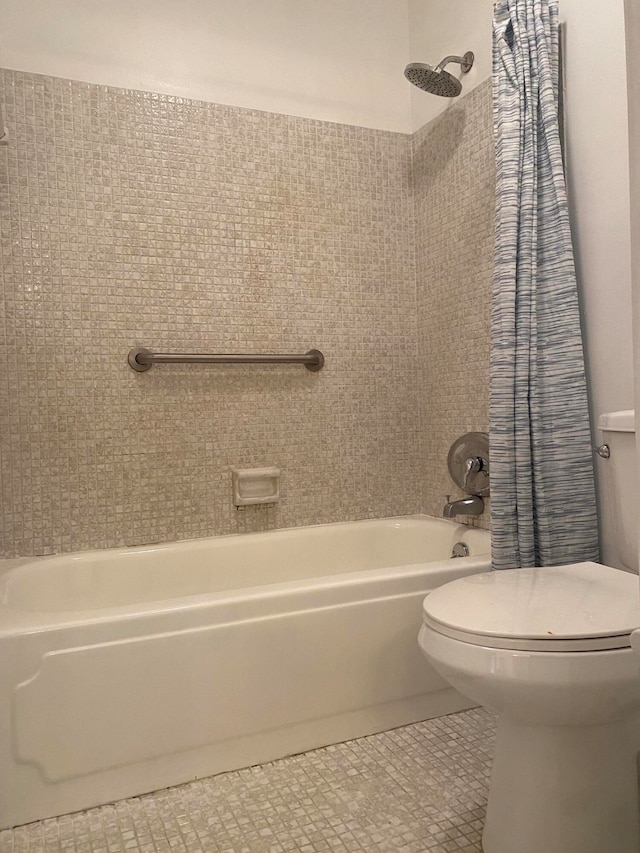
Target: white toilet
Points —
{"points": [[549, 649]]}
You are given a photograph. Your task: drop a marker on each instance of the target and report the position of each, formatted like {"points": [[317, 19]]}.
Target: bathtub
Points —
{"points": [[129, 670]]}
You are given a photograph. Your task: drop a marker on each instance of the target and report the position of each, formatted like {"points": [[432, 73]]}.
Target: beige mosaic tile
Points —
{"points": [[130, 218], [454, 191], [417, 789]]}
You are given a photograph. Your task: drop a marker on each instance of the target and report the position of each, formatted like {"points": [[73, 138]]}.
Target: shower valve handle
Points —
{"points": [[472, 466]]}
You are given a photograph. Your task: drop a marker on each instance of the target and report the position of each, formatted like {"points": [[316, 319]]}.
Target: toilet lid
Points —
{"points": [[580, 607]]}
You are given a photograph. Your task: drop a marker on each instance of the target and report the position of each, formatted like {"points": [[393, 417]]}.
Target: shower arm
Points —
{"points": [[465, 61]]}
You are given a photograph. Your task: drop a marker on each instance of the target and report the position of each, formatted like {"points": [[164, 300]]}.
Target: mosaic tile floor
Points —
{"points": [[411, 790]]}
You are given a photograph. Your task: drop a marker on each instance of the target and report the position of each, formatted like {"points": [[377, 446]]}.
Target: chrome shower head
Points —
{"points": [[436, 80]]}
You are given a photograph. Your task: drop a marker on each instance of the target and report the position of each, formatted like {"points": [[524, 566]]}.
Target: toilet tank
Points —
{"points": [[619, 433]]}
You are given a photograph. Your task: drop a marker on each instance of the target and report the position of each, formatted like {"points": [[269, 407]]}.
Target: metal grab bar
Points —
{"points": [[141, 359]]}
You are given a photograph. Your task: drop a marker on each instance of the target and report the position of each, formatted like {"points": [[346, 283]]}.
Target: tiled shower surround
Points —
{"points": [[453, 172], [134, 219]]}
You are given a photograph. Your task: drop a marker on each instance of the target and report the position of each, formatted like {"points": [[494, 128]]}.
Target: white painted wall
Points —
{"points": [[334, 60], [598, 175], [440, 28], [632, 10]]}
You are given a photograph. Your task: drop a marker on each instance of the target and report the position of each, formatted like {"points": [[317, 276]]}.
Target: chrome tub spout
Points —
{"points": [[472, 505]]}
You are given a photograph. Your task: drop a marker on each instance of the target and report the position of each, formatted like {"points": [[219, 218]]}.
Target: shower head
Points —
{"points": [[436, 80]]}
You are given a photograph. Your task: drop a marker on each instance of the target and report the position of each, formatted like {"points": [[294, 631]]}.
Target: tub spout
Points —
{"points": [[472, 505]]}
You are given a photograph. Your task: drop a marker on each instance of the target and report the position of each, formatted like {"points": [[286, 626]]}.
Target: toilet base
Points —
{"points": [[564, 789]]}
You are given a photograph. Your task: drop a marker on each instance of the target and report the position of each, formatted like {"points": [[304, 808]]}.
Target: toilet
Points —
{"points": [[549, 649]]}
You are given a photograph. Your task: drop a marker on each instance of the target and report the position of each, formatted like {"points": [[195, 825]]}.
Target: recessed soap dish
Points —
{"points": [[255, 486]]}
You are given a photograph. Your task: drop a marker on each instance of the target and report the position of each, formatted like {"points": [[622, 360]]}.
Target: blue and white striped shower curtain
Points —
{"points": [[543, 509]]}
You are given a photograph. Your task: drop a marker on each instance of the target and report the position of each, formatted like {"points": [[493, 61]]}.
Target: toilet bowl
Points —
{"points": [[549, 650]]}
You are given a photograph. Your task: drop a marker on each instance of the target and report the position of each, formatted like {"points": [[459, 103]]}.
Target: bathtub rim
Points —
{"points": [[9, 563], [349, 586]]}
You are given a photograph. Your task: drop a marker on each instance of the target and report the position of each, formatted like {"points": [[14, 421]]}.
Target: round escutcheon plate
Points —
{"points": [[468, 463]]}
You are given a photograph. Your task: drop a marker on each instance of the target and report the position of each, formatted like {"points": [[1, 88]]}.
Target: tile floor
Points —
{"points": [[411, 790]]}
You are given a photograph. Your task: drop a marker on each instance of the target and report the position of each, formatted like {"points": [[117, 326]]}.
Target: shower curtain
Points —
{"points": [[543, 509]]}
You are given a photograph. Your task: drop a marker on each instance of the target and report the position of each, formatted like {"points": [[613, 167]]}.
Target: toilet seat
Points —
{"points": [[576, 608]]}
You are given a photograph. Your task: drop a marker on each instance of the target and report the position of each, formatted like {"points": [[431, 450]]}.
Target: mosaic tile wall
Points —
{"points": [[454, 174], [134, 219], [130, 218]]}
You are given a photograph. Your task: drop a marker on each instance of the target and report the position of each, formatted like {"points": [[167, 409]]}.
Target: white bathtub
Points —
{"points": [[129, 670]]}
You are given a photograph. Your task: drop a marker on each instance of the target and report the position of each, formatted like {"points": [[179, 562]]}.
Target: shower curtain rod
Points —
{"points": [[141, 359]]}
